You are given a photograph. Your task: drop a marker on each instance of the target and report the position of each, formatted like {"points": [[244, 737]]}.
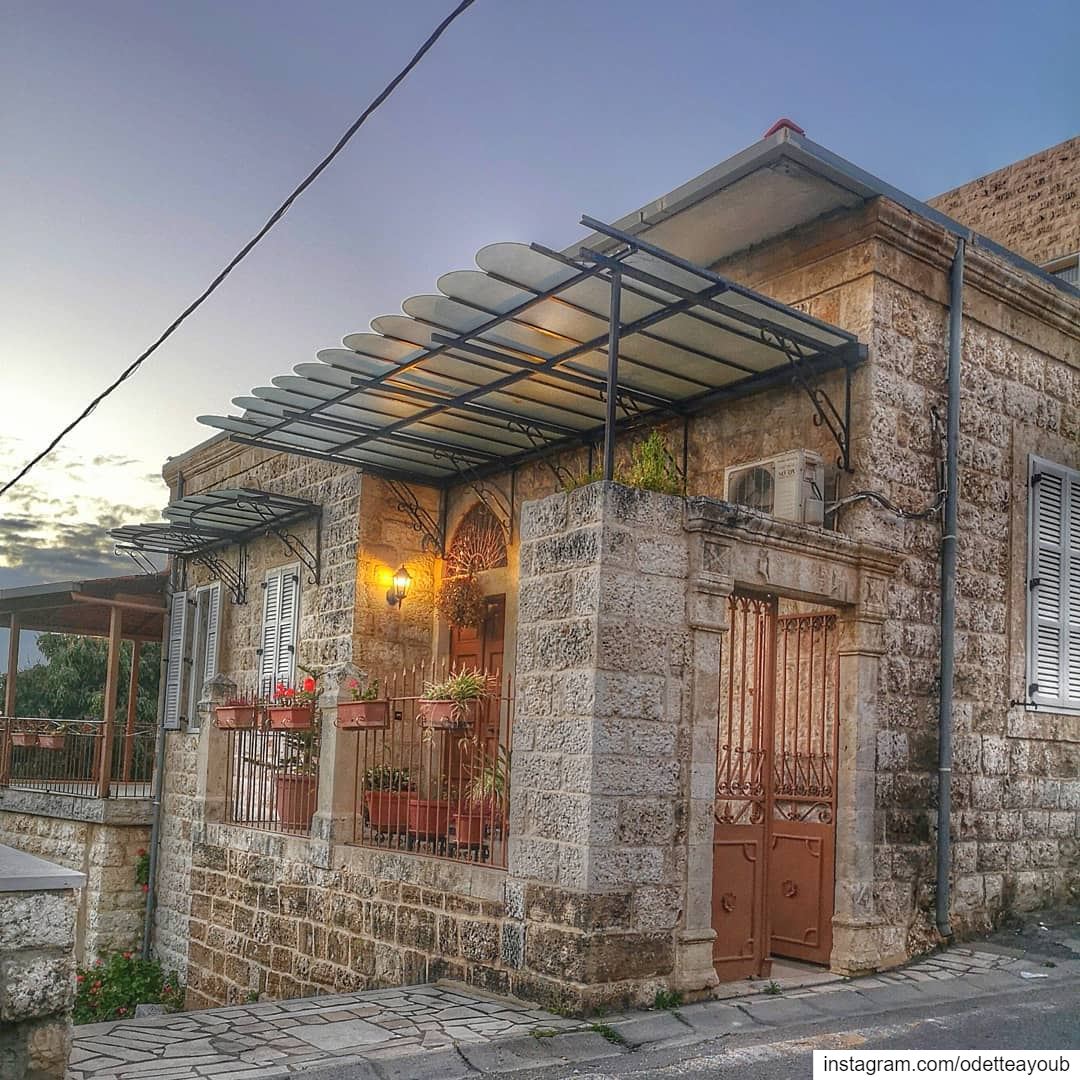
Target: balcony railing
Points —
{"points": [[440, 791], [66, 757]]}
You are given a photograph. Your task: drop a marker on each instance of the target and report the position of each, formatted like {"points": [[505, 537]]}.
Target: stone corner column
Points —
{"points": [[858, 930], [709, 585], [333, 821], [212, 756]]}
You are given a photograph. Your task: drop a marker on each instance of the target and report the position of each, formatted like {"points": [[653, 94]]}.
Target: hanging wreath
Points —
{"points": [[460, 601]]}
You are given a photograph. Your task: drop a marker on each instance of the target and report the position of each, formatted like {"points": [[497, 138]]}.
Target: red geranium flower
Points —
{"points": [[309, 685]]}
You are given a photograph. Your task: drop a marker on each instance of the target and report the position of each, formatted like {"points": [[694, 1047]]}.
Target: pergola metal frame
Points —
{"points": [[440, 439], [201, 527]]}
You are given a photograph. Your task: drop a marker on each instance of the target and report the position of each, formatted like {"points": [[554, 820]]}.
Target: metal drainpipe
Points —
{"points": [[948, 593], [159, 761]]}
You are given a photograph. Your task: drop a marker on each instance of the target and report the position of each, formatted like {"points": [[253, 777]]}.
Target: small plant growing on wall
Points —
{"points": [[651, 468], [142, 869]]}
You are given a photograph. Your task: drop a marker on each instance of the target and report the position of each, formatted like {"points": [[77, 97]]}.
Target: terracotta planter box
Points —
{"points": [[444, 715], [51, 741], [470, 826], [297, 797], [429, 819], [23, 738], [387, 811], [363, 715], [292, 717], [235, 717]]}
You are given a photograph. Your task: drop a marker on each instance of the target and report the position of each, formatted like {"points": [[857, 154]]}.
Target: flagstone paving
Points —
{"points": [[446, 1030]]}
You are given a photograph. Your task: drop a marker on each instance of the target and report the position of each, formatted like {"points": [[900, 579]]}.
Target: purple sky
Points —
{"points": [[144, 142]]}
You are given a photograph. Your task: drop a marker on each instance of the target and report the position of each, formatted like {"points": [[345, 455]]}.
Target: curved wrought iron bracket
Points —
{"points": [[432, 534], [311, 559], [563, 476], [825, 412], [138, 558], [492, 498], [233, 578]]}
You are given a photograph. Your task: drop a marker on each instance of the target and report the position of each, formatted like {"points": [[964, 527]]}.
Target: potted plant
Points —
{"points": [[54, 737], [447, 704], [293, 709], [26, 737], [367, 711], [296, 786], [429, 818], [386, 798], [235, 714], [484, 800]]}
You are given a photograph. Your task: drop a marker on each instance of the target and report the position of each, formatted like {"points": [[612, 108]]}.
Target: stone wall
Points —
{"points": [[1031, 207], [325, 636], [38, 908], [112, 906]]}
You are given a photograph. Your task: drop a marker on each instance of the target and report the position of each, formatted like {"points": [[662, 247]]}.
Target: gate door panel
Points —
{"points": [[740, 834], [803, 791]]}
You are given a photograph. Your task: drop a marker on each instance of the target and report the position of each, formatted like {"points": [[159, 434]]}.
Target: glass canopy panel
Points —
{"points": [[512, 356]]}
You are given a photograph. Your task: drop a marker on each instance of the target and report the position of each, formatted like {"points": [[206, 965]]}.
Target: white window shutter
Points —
{"points": [[288, 619], [1071, 593], [174, 672], [268, 645], [213, 622]]}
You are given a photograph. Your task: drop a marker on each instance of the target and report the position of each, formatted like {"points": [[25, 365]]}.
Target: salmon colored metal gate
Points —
{"points": [[775, 808]]}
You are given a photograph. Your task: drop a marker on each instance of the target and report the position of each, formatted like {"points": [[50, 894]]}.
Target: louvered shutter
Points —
{"points": [[213, 621], [288, 618], [174, 671], [1054, 587], [268, 645]]}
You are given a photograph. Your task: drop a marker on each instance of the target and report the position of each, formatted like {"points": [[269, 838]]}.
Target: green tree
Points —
{"points": [[70, 684]]}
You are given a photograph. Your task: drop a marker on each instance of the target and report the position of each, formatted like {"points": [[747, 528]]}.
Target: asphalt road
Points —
{"points": [[1047, 1018]]}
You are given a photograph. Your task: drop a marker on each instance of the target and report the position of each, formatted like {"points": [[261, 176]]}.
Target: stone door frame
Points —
{"points": [[732, 547]]}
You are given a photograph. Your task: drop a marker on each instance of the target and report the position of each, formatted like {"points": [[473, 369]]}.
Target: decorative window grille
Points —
{"points": [[1054, 586]]}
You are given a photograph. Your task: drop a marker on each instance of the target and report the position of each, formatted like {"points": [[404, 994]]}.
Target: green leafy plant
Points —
{"points": [[112, 987], [363, 693], [300, 753], [491, 780], [772, 988], [142, 869], [461, 687], [385, 778], [667, 999], [651, 467]]}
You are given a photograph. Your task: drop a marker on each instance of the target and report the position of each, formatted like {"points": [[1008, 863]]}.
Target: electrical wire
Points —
{"points": [[274, 218], [908, 515]]}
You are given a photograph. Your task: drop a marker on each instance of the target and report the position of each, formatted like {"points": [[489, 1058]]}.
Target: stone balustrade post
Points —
{"points": [[213, 757]]}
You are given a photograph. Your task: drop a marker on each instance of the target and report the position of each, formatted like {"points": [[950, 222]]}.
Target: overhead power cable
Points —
{"points": [[239, 257]]}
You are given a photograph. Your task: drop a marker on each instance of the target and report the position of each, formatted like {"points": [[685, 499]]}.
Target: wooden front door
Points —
{"points": [[479, 647]]}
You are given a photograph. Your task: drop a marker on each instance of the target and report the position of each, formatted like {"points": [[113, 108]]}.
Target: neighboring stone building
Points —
{"points": [[1032, 207], [720, 722]]}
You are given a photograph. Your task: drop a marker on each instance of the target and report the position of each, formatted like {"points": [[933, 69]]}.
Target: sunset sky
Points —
{"points": [[144, 142]]}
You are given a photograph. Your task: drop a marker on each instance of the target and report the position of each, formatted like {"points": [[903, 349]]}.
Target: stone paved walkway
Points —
{"points": [[449, 1031]]}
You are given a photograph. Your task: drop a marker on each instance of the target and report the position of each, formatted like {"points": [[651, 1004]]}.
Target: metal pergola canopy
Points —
{"points": [[537, 351], [199, 527]]}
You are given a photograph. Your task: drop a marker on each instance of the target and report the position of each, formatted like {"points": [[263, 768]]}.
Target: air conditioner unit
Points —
{"points": [[790, 486]]}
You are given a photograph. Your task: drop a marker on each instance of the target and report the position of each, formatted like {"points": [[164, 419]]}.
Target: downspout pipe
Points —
{"points": [[159, 760], [948, 593]]}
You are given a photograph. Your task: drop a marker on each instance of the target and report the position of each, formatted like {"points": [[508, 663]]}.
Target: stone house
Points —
{"points": [[720, 710]]}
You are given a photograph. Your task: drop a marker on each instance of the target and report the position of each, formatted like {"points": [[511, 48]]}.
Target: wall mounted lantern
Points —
{"points": [[400, 588]]}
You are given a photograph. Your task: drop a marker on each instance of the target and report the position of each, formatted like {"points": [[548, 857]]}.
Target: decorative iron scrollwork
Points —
{"points": [[825, 412], [312, 560], [233, 578], [432, 536]]}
